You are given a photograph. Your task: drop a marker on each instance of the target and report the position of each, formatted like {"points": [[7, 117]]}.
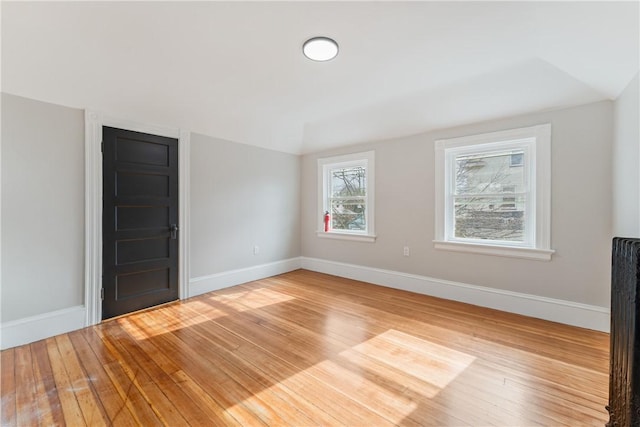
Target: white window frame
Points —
{"points": [[367, 161], [536, 141]]}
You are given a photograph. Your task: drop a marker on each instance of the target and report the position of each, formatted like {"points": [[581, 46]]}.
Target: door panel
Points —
{"points": [[138, 184], [141, 217], [135, 150], [141, 283], [128, 251], [140, 204]]}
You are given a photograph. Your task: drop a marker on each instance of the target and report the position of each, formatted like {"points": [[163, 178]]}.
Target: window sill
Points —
{"points": [[504, 251], [370, 238]]}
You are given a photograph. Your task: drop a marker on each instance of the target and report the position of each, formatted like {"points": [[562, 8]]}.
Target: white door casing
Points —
{"points": [[94, 121]]}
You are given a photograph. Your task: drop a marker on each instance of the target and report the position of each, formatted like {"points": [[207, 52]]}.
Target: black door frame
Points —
{"points": [[94, 121]]}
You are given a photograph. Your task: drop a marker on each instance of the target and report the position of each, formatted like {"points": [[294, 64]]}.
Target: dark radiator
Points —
{"points": [[624, 368]]}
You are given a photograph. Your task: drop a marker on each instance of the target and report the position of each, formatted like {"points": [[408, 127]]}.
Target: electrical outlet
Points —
{"points": [[406, 251], [256, 249]]}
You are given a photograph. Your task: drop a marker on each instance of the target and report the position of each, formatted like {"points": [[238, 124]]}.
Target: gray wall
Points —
{"points": [[42, 207], [626, 163], [241, 196], [581, 217]]}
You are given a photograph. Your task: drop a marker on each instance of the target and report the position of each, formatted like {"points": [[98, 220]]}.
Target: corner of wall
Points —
{"points": [[226, 279], [626, 158]]}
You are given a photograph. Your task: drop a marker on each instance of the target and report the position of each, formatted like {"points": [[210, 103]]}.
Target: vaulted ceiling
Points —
{"points": [[235, 70]]}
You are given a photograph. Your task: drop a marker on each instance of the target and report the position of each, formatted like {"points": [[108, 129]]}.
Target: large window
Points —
{"points": [[493, 193], [345, 188]]}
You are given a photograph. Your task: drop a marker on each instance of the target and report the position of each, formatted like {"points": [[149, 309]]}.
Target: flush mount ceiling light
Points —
{"points": [[320, 49]]}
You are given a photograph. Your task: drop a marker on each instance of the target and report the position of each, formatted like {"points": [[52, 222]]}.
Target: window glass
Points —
{"points": [[348, 198], [490, 197]]}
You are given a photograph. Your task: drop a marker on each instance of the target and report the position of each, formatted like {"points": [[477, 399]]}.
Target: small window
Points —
{"points": [[517, 159], [345, 188], [492, 193]]}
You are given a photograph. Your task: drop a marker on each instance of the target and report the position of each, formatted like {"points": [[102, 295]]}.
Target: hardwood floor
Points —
{"points": [[306, 349]]}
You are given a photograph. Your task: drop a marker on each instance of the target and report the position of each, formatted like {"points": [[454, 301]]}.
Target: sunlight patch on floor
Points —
{"points": [[249, 300], [195, 312], [388, 374], [148, 324], [205, 310], [426, 367], [347, 385]]}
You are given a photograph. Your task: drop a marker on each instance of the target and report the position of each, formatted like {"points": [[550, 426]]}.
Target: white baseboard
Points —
{"points": [[567, 312], [214, 282], [30, 329]]}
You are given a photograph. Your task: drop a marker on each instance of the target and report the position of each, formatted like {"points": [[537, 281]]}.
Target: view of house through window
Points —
{"points": [[490, 196], [348, 198]]}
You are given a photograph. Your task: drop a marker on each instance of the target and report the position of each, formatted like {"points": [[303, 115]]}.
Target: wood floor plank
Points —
{"points": [[117, 411], [303, 349], [81, 383], [177, 407], [217, 335], [8, 388], [26, 406], [230, 347], [127, 389], [170, 369], [140, 379], [254, 382], [70, 408], [46, 393], [216, 383], [330, 402]]}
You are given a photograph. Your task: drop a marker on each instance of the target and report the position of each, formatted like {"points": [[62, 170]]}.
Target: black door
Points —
{"points": [[139, 221]]}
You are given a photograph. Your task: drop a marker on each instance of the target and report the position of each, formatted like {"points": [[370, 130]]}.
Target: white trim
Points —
{"points": [[367, 159], [543, 186], [347, 236], [0, 192], [539, 242], [214, 282], [495, 137], [184, 208], [567, 312], [94, 121], [92, 216], [34, 328], [511, 252]]}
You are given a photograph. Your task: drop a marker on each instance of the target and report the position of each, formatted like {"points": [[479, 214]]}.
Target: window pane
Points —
{"points": [[489, 173], [517, 159], [348, 182], [348, 215], [491, 218]]}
